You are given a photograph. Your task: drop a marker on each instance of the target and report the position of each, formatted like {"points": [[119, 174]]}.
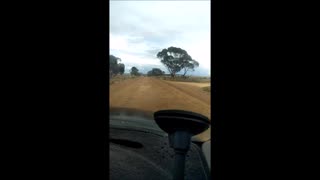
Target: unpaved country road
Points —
{"points": [[151, 94]]}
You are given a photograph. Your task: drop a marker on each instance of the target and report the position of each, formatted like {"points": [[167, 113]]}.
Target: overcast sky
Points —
{"points": [[140, 29]]}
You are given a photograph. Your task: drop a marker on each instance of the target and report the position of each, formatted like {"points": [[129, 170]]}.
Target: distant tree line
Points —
{"points": [[173, 58], [115, 67]]}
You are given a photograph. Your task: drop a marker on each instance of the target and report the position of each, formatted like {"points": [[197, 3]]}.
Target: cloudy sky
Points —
{"points": [[140, 29]]}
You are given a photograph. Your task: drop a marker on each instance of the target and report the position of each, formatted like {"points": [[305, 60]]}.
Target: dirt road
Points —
{"points": [[151, 94]]}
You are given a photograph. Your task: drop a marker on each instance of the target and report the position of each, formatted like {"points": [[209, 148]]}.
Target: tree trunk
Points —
{"points": [[185, 72]]}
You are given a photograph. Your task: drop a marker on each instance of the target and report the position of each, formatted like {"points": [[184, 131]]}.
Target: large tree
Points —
{"points": [[114, 66], [174, 59]]}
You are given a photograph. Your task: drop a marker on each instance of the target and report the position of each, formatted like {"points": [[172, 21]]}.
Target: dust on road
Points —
{"points": [[152, 94]]}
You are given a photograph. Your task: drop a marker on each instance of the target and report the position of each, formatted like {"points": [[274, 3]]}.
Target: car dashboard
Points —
{"points": [[137, 153]]}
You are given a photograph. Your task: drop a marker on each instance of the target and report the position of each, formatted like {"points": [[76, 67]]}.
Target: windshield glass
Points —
{"points": [[159, 55]]}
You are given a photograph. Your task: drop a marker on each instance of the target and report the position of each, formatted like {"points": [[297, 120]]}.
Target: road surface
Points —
{"points": [[152, 94]]}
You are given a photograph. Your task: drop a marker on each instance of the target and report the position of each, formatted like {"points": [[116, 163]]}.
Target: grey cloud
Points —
{"points": [[153, 52], [129, 20]]}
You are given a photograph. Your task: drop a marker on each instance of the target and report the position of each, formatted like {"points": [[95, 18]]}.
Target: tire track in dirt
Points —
{"points": [[151, 94]]}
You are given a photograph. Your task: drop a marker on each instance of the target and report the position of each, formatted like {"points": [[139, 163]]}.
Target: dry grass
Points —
{"points": [[207, 88], [197, 79], [120, 78]]}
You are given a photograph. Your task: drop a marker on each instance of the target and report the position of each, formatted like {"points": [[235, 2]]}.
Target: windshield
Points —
{"points": [[159, 56]]}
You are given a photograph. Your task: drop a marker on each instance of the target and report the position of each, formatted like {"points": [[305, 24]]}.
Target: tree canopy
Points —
{"points": [[189, 64], [115, 67], [175, 59], [121, 68], [134, 71], [155, 72]]}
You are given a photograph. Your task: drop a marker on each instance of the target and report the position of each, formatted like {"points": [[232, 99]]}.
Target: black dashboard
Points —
{"points": [[144, 154]]}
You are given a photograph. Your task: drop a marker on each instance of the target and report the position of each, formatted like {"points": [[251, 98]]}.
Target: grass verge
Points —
{"points": [[120, 78], [207, 88], [197, 79]]}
